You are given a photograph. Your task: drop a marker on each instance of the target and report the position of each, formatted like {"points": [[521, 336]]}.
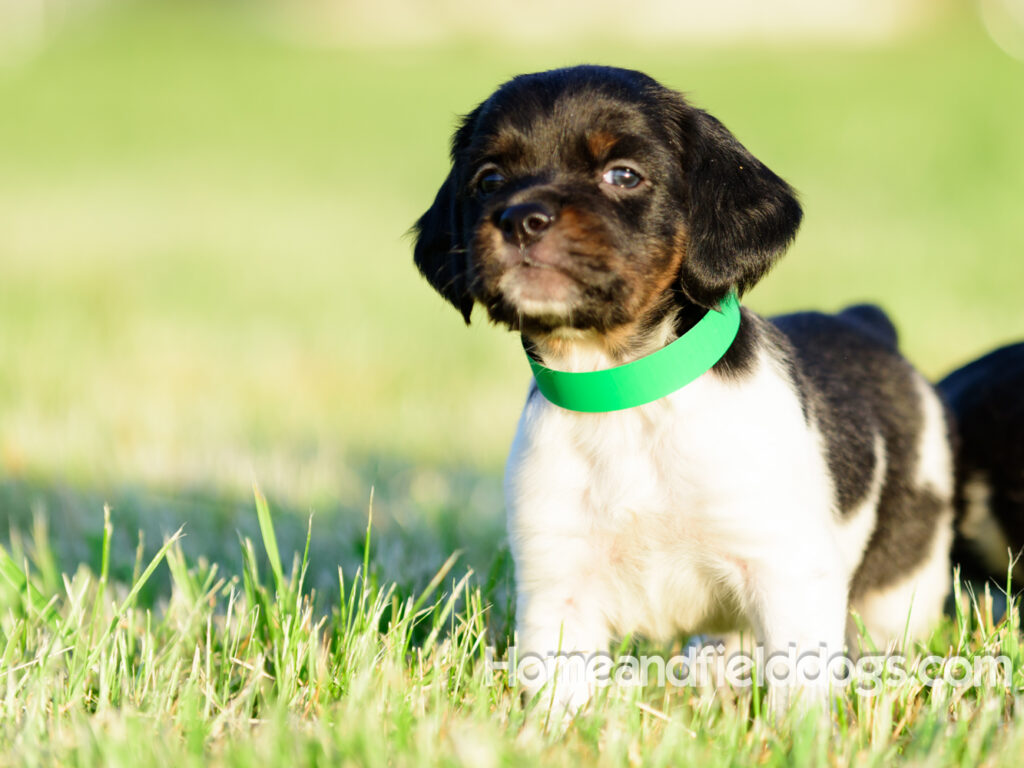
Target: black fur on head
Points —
{"points": [[595, 198]]}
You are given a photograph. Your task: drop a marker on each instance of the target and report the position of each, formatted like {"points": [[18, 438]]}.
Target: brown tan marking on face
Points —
{"points": [[649, 296], [649, 292], [600, 143]]}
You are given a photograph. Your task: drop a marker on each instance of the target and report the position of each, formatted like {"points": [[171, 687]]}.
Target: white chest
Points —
{"points": [[656, 513]]}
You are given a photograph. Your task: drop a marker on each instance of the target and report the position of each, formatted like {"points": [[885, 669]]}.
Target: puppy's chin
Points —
{"points": [[539, 292]]}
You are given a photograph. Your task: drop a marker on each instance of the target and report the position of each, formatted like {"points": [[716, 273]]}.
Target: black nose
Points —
{"points": [[524, 223]]}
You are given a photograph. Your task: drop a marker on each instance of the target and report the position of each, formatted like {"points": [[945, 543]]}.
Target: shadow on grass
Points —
{"points": [[421, 515]]}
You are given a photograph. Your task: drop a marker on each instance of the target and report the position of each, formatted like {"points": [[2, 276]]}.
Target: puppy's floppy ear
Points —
{"points": [[740, 215], [439, 253]]}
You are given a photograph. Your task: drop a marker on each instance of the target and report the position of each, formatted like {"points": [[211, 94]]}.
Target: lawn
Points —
{"points": [[206, 283]]}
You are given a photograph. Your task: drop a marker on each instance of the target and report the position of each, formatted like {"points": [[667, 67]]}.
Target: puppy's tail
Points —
{"points": [[873, 321]]}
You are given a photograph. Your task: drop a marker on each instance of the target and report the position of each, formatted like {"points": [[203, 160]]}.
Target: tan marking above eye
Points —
{"points": [[601, 142]]}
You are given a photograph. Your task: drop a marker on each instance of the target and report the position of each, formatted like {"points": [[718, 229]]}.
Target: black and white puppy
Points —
{"points": [[987, 399], [601, 216]]}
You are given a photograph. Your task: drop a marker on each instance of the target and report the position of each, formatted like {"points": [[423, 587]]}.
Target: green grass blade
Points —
{"points": [[270, 541]]}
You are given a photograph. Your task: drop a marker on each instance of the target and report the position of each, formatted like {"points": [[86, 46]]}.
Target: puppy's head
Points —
{"points": [[591, 197]]}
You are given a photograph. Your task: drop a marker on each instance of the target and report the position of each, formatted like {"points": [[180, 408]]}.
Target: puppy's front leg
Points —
{"points": [[799, 616], [562, 645], [561, 622]]}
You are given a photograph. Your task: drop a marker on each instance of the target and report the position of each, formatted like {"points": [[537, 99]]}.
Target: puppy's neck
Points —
{"points": [[579, 350]]}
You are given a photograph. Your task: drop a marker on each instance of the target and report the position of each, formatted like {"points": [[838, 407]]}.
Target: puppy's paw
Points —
{"points": [[560, 686]]}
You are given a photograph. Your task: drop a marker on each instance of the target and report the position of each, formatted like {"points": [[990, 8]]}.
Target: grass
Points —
{"points": [[241, 669], [204, 281]]}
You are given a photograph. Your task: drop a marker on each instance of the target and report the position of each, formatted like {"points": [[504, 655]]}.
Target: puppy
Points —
{"points": [[987, 399], [805, 468]]}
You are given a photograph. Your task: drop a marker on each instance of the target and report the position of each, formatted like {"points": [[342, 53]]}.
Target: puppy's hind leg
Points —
{"points": [[909, 608], [901, 585]]}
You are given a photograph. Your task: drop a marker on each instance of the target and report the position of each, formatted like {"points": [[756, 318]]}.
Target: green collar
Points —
{"points": [[650, 378]]}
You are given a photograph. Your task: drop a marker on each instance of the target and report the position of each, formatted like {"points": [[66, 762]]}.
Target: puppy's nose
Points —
{"points": [[524, 223]]}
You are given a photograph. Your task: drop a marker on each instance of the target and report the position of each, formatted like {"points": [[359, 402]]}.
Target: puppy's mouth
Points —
{"points": [[538, 282], [564, 274]]}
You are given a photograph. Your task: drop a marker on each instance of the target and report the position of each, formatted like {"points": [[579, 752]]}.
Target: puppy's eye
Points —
{"points": [[621, 176], [489, 183]]}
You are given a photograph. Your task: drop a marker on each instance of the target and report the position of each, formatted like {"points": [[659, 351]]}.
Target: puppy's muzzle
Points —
{"points": [[525, 223]]}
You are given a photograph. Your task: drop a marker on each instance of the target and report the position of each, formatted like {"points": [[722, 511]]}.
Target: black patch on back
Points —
{"points": [[857, 386], [840, 365], [872, 320]]}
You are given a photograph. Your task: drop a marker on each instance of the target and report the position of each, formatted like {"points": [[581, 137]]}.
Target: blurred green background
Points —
{"points": [[205, 277]]}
